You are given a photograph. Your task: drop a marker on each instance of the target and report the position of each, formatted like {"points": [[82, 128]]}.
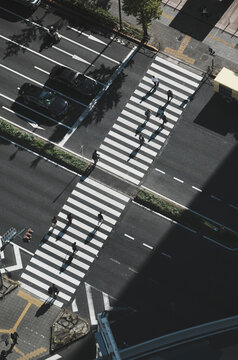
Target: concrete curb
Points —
{"points": [[8, 285]]}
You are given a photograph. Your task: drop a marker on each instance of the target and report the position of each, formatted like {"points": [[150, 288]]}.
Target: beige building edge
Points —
{"points": [[226, 83]]}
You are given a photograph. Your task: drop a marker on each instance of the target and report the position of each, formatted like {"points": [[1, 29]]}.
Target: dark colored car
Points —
{"points": [[74, 80], [33, 4], [44, 98]]}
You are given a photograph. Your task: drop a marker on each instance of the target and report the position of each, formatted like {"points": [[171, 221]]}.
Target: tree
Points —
{"points": [[144, 10]]}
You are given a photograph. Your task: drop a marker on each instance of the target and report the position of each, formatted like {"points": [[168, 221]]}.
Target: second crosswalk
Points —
{"points": [[55, 262], [122, 152]]}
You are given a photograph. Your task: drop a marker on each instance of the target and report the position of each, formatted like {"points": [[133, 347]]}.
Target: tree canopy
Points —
{"points": [[144, 11]]}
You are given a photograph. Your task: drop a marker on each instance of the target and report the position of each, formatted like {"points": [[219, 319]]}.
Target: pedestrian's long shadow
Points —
{"points": [[155, 133], [62, 232], [44, 307], [148, 94], [66, 263], [140, 128], [133, 153], [92, 234], [162, 109]]}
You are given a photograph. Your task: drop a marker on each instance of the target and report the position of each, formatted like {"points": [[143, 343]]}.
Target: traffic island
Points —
{"points": [[67, 328], [7, 285], [203, 226]]}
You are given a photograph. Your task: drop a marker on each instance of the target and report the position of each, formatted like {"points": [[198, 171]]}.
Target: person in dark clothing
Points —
{"points": [[74, 247], [100, 218], [95, 156], [70, 218], [141, 139], [170, 95]]}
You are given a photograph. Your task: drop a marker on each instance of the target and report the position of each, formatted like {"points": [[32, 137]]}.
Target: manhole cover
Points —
{"points": [[204, 57]]}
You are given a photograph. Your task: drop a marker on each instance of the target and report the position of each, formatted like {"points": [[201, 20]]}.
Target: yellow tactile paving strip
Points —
{"points": [[30, 301], [180, 52], [221, 41]]}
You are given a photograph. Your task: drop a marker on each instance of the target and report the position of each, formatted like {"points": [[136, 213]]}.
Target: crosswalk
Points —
{"points": [[50, 263], [120, 152]]}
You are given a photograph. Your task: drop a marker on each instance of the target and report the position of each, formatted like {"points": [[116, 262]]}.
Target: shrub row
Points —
{"points": [[43, 147], [187, 218]]}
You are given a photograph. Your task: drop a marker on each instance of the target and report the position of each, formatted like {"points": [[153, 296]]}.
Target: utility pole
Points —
{"points": [[120, 22]]}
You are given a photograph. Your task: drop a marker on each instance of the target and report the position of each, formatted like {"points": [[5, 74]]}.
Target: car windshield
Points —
{"points": [[47, 97]]}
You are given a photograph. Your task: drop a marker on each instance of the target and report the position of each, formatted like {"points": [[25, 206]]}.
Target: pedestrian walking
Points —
{"points": [[53, 291], [74, 247], [14, 337], [95, 156], [141, 139], [164, 118], [70, 218], [156, 82], [147, 114], [100, 218], [170, 95], [54, 221]]}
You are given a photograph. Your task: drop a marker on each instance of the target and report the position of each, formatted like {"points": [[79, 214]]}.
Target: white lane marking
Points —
{"points": [[179, 180], [18, 265], [89, 219], [42, 70], [130, 237], [73, 56], [122, 157], [59, 263], [133, 270], [152, 108], [133, 143], [16, 113], [61, 254], [99, 95], [88, 209], [76, 57], [37, 53], [50, 279], [179, 68], [126, 150], [39, 294], [89, 49], [175, 75], [42, 85], [233, 206], [122, 165], [54, 357], [184, 207], [106, 302], [215, 197], [121, 174], [168, 81], [115, 261], [167, 255], [161, 171], [148, 246], [93, 319], [43, 286], [54, 271], [68, 248], [100, 196], [157, 101], [96, 203], [74, 306], [33, 110], [195, 188], [107, 189], [90, 37]]}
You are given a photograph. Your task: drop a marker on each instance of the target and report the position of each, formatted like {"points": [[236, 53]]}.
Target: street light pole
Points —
{"points": [[120, 22]]}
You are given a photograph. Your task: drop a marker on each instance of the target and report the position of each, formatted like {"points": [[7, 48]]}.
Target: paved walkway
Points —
{"points": [[165, 35]]}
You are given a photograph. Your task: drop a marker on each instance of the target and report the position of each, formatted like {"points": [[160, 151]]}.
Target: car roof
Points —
{"points": [[66, 73]]}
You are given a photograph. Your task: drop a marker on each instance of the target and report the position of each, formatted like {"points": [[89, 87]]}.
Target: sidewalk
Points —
{"points": [[186, 48], [41, 326]]}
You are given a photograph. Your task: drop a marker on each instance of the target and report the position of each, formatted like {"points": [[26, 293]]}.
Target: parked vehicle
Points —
{"points": [[33, 4]]}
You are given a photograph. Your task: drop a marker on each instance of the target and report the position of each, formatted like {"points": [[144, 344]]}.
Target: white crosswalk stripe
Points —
{"points": [[121, 152], [54, 261]]}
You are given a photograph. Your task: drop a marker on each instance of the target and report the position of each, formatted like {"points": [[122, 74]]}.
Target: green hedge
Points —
{"points": [[187, 218], [43, 147]]}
